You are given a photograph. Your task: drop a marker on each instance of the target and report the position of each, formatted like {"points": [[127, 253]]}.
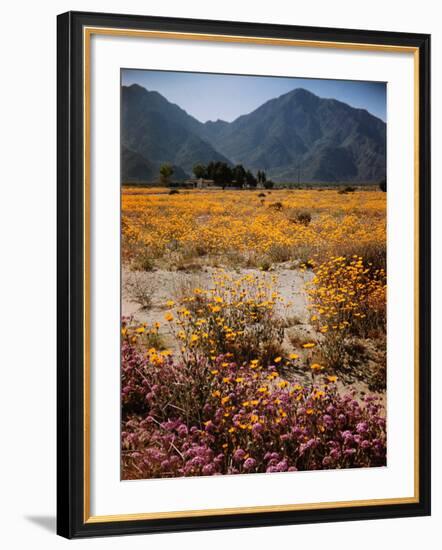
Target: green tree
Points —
{"points": [[261, 176], [199, 170], [166, 171], [224, 174], [239, 175], [383, 185], [250, 179], [268, 184], [220, 173], [210, 171]]}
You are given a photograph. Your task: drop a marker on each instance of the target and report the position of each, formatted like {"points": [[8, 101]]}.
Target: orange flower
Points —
{"points": [[316, 366], [309, 345]]}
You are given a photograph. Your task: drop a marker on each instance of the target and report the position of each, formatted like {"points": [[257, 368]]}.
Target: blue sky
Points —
{"points": [[226, 97]]}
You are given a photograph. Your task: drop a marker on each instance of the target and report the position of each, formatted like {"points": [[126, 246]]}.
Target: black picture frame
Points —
{"points": [[71, 520]]}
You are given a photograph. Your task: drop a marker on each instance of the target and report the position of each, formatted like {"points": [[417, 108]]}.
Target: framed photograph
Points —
{"points": [[243, 274]]}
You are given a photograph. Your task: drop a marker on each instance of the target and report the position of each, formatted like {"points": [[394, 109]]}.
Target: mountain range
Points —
{"points": [[295, 134]]}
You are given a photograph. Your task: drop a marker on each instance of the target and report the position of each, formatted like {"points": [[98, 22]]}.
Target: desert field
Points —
{"points": [[253, 330]]}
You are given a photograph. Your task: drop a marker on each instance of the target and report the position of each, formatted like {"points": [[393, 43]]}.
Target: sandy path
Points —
{"points": [[167, 285]]}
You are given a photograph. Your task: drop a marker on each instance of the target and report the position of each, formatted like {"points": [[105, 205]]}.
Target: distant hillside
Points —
{"points": [[324, 139], [159, 132], [136, 168]]}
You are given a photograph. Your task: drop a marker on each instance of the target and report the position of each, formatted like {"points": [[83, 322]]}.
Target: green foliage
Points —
{"points": [[251, 180], [220, 172], [166, 171], [199, 170], [261, 176], [239, 175], [226, 176]]}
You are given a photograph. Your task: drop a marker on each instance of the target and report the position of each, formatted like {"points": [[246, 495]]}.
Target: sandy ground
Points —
{"points": [[167, 285], [170, 285]]}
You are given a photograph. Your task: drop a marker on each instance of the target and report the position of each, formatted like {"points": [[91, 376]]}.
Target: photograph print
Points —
{"points": [[253, 274]]}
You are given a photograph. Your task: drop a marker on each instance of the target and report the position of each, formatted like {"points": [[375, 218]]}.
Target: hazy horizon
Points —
{"points": [[226, 97]]}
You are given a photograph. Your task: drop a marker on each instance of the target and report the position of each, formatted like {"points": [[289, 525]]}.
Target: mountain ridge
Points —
{"points": [[297, 133]]}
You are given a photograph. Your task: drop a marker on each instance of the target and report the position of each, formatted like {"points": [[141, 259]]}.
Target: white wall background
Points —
{"points": [[27, 233]]}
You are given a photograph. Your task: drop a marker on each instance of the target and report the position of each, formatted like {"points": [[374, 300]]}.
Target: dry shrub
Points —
{"points": [[139, 289], [278, 206], [347, 189], [280, 253], [298, 339], [292, 320]]}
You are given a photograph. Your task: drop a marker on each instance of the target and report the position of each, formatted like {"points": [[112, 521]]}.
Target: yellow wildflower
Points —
{"points": [[309, 345]]}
